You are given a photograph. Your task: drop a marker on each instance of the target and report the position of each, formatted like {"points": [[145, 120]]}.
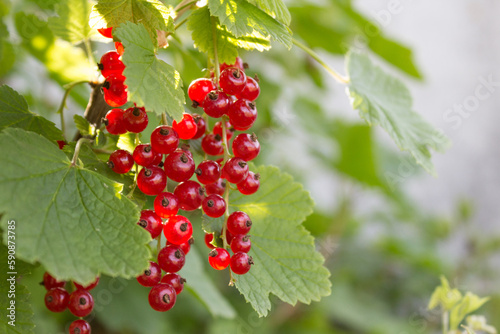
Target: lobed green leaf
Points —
{"points": [[71, 24]]}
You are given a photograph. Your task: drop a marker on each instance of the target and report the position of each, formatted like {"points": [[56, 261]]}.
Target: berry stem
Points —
{"points": [[216, 55], [158, 243], [182, 5], [77, 149], [164, 120], [60, 111], [316, 57]]}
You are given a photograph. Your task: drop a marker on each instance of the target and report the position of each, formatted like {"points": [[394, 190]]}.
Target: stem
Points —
{"points": [[183, 4], [60, 111], [445, 320], [178, 25], [164, 119], [77, 150], [158, 243], [90, 54], [216, 55], [315, 56]]}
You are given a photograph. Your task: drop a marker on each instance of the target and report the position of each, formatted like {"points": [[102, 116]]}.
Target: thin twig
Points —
{"points": [[60, 111]]}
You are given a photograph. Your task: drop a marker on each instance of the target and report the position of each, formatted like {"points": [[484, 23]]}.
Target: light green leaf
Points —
{"points": [[469, 303], [286, 261], [384, 100], [444, 296], [276, 8], [83, 125], [70, 219], [153, 14], [71, 24], [242, 18], [202, 287], [14, 113], [479, 323], [151, 82]]}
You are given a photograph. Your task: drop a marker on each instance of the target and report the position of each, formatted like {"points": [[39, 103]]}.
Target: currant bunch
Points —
{"points": [[79, 302]]}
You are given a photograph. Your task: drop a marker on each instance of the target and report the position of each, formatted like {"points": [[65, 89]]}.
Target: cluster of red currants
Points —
{"points": [[80, 302]]}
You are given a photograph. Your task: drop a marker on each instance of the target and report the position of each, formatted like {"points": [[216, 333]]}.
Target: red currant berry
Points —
{"points": [[145, 156], [87, 287], [216, 104], [208, 172], [119, 48], [250, 184], [151, 276], [238, 64], [151, 180], [235, 170], [238, 222], [218, 187], [179, 166], [164, 139], [135, 119], [242, 114], [111, 64], [171, 259], [219, 258], [186, 128], [114, 122], [49, 282], [240, 263], [229, 236], [190, 195], [214, 206], [251, 91], [175, 280], [151, 222], [166, 205], [115, 91], [212, 144], [246, 146], [120, 161], [186, 246], [106, 32], [162, 297], [201, 126], [229, 130], [56, 299], [241, 243], [80, 303], [232, 80], [209, 237], [178, 230], [198, 89], [61, 144], [79, 326]]}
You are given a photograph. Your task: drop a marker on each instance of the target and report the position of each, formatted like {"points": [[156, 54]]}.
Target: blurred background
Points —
{"points": [[386, 228]]}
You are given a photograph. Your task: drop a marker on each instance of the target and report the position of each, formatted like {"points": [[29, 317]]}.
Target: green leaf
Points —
{"points": [[7, 57], [203, 26], [14, 113], [72, 22], [72, 220], [153, 14], [151, 82], [214, 226], [242, 18], [384, 100], [469, 303], [276, 8], [83, 125], [444, 296], [286, 261], [202, 287]]}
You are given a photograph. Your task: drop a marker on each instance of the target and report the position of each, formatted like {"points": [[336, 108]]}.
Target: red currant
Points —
{"points": [[240, 263], [151, 180], [246, 146], [235, 170], [179, 166], [114, 122], [209, 237], [250, 184], [251, 91], [80, 303], [186, 246], [186, 128], [87, 287], [119, 48], [162, 297], [56, 299], [79, 326], [214, 206], [238, 63], [120, 161], [216, 104], [232, 80], [61, 144], [164, 139], [166, 205], [178, 230], [115, 90], [229, 236], [219, 258], [175, 280], [208, 172], [238, 222], [145, 156], [212, 144], [198, 89], [111, 64], [151, 222], [242, 114], [241, 243], [151, 276], [49, 282], [201, 126], [218, 187], [229, 130], [171, 259], [135, 119], [190, 195], [106, 32]]}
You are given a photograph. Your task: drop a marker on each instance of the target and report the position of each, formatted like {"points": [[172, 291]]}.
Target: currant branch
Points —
{"points": [[60, 111]]}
